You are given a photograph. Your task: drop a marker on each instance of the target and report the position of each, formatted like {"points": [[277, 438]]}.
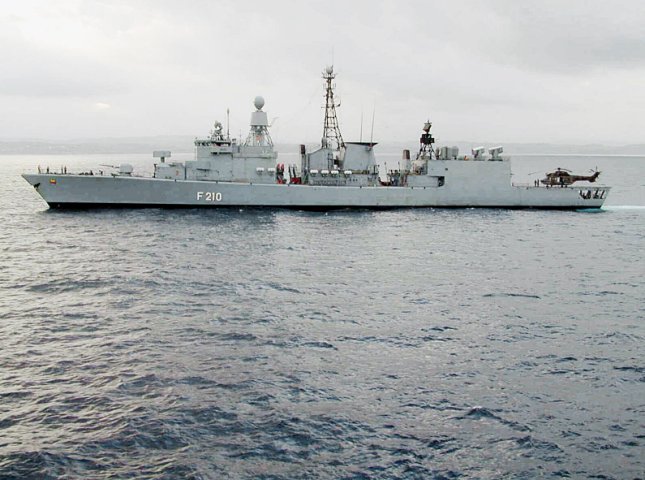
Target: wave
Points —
{"points": [[622, 207]]}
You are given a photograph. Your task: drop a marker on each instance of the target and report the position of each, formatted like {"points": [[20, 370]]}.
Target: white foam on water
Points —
{"points": [[623, 207]]}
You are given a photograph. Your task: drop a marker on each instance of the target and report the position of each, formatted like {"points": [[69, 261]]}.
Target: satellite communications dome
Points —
{"points": [[258, 102], [329, 69]]}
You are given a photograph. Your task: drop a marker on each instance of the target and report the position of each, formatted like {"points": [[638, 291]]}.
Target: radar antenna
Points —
{"points": [[426, 141], [228, 125], [331, 137], [259, 133]]}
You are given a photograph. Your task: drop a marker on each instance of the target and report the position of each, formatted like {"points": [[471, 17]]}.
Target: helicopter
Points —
{"points": [[563, 177]]}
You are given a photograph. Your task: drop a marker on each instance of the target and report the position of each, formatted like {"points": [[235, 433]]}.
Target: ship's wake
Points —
{"points": [[623, 207]]}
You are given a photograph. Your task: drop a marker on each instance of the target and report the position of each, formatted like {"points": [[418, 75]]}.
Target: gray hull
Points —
{"points": [[61, 191]]}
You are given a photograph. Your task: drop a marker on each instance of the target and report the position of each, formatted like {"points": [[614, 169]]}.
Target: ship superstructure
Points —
{"points": [[218, 158], [337, 174], [336, 162]]}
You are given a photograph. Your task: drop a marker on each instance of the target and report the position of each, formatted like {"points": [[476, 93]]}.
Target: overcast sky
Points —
{"points": [[561, 71]]}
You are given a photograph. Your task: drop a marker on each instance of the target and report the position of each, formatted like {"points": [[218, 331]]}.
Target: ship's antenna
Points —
{"points": [[228, 124], [372, 132], [259, 133], [331, 137], [361, 125]]}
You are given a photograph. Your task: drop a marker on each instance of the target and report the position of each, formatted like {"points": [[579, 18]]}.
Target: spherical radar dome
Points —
{"points": [[259, 102], [329, 69]]}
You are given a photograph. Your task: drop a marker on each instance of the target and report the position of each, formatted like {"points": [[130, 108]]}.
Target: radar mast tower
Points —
{"points": [[426, 141], [259, 133], [331, 137]]}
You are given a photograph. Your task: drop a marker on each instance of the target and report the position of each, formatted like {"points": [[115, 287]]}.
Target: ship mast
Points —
{"points": [[426, 141], [331, 137]]}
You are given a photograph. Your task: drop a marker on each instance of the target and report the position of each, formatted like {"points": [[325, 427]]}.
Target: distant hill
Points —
{"points": [[178, 144], [184, 144]]}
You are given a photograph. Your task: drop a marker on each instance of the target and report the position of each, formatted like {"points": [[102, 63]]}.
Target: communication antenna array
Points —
{"points": [[331, 137]]}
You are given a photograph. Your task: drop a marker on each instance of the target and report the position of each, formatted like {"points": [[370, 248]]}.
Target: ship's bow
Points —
{"points": [[41, 183]]}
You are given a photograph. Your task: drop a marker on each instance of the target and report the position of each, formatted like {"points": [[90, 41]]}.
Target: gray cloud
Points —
{"points": [[526, 69], [33, 71], [571, 37]]}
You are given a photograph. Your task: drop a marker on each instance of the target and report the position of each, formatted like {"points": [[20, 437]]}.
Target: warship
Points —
{"points": [[334, 175]]}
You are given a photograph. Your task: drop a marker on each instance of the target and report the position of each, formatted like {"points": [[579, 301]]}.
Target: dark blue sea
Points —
{"points": [[271, 344]]}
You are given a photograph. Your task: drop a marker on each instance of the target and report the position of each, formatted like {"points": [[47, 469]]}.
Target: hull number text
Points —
{"points": [[209, 196]]}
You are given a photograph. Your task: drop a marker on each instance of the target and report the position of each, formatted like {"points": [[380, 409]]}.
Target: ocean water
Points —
{"points": [[353, 344]]}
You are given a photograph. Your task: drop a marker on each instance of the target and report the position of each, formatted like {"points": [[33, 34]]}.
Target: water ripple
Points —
{"points": [[269, 344]]}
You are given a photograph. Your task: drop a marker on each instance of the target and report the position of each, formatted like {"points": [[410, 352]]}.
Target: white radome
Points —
{"points": [[259, 102]]}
